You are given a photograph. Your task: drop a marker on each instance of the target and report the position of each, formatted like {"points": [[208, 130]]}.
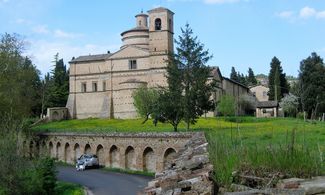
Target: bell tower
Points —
{"points": [[161, 31]]}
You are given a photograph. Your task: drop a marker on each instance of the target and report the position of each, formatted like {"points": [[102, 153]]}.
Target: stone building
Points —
{"points": [[260, 92], [101, 86]]}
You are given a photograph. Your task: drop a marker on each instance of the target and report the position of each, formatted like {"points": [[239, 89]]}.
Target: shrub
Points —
{"points": [[227, 105]]}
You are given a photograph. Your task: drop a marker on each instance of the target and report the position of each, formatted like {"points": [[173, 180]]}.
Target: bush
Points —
{"points": [[227, 105], [47, 172]]}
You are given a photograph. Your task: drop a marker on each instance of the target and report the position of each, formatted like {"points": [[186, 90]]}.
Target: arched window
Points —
{"points": [[158, 24]]}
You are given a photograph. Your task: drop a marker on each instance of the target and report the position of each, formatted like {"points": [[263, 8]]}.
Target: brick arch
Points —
{"points": [[87, 149], [169, 155], [114, 156], [76, 152], [149, 160], [100, 154], [67, 153], [58, 151], [130, 160], [51, 149]]}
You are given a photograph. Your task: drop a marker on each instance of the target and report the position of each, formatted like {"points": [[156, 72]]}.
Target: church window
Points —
{"points": [[170, 25], [104, 85], [140, 23], [132, 64], [94, 86], [158, 24], [83, 87]]}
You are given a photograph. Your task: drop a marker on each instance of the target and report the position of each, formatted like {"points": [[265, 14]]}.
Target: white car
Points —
{"points": [[87, 160]]}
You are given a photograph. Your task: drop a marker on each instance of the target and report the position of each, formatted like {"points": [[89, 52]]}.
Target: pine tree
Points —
{"points": [[312, 82], [57, 85], [282, 84], [233, 74], [251, 79]]}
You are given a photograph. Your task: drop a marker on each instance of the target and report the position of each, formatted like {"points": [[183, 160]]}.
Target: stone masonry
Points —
{"points": [[188, 174], [136, 151]]}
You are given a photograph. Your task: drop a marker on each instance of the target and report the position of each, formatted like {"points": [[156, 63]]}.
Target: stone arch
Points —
{"points": [[31, 149], [130, 162], [77, 152], [57, 151], [37, 149], [67, 152], [149, 160], [87, 149], [24, 149], [55, 116], [100, 154], [169, 155], [51, 149], [43, 148], [114, 157]]}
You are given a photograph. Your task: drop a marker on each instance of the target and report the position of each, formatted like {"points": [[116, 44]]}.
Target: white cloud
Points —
{"points": [[42, 52], [41, 29], [320, 15], [307, 12], [285, 14], [62, 34], [304, 13]]}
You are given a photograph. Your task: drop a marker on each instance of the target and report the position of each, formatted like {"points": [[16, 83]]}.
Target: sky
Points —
{"points": [[239, 33]]}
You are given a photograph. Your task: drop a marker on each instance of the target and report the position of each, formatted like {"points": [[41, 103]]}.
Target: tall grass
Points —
{"points": [[288, 158]]}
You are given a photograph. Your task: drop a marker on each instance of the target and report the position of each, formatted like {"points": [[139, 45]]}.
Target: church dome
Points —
{"points": [[138, 36]]}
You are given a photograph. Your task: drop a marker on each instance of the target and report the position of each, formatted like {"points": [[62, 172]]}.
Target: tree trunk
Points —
{"points": [[188, 125], [175, 128]]}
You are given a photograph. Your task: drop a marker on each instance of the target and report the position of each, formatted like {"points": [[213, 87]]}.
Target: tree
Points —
{"points": [[289, 104], [227, 105], [281, 82], [192, 59], [251, 79], [145, 100], [56, 85], [312, 83], [233, 74]]}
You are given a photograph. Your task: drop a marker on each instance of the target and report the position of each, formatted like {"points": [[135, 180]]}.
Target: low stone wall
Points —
{"points": [[188, 174], [136, 151]]}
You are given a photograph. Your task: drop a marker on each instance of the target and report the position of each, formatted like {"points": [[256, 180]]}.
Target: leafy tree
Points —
{"points": [[251, 79], [281, 82], [227, 105], [312, 83], [47, 172], [289, 104], [247, 103], [145, 100]]}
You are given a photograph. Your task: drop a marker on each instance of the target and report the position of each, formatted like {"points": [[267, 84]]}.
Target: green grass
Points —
{"points": [[65, 188], [254, 146]]}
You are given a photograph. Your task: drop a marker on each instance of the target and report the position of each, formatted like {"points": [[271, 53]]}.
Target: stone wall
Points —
{"points": [[136, 151], [188, 174]]}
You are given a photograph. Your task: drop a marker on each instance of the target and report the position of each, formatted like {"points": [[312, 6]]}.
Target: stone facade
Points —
{"points": [[101, 86], [136, 151], [260, 92]]}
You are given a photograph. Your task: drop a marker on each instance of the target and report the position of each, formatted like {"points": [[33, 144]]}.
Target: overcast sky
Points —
{"points": [[239, 33]]}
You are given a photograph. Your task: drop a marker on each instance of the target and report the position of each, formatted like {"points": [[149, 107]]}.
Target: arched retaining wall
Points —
{"points": [[136, 151]]}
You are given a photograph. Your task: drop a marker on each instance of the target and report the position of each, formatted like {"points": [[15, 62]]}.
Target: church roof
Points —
{"points": [[159, 9], [138, 28], [88, 58]]}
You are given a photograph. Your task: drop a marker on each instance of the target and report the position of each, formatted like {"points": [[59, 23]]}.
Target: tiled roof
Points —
{"points": [[267, 104], [91, 58]]}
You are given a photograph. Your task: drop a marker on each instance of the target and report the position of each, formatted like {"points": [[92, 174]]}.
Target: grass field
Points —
{"points": [[258, 146]]}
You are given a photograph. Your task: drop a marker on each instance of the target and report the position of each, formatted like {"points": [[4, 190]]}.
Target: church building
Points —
{"points": [[101, 86]]}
